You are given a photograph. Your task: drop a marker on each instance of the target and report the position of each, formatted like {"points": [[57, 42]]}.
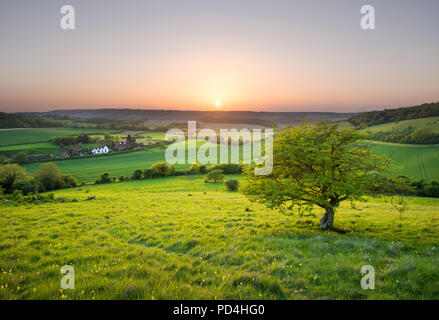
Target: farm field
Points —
{"points": [[431, 123], [155, 135], [28, 136], [147, 240], [413, 161], [89, 169], [31, 148]]}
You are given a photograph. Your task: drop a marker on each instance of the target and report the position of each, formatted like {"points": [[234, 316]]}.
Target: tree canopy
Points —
{"points": [[316, 165]]}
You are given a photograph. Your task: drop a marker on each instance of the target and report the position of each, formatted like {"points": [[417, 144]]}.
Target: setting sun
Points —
{"points": [[217, 104]]}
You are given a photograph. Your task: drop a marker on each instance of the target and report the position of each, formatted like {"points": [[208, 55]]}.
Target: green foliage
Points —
{"points": [[27, 186], [417, 131], [49, 176], [21, 121], [226, 168], [2, 159], [195, 168], [138, 175], [232, 184], [316, 165], [148, 174], [21, 158], [162, 169], [391, 115], [215, 176], [11, 174], [69, 181], [105, 178]]}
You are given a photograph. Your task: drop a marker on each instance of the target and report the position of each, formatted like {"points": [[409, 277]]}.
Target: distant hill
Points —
{"points": [[390, 115], [8, 120], [415, 131], [180, 115]]}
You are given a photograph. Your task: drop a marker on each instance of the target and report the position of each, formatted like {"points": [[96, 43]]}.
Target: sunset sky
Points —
{"points": [[218, 55]]}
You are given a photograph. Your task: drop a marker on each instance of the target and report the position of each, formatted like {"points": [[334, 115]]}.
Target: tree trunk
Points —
{"points": [[328, 218]]}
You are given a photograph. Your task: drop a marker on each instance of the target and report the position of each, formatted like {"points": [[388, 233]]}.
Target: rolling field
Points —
{"points": [[413, 161], [180, 238], [31, 148], [426, 123], [28, 136], [89, 169]]}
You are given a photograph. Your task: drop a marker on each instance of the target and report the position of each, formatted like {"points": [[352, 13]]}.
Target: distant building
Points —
{"points": [[100, 150], [63, 154], [120, 146]]}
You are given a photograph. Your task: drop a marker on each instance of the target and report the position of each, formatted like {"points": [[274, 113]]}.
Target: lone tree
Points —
{"points": [[317, 165], [215, 176]]}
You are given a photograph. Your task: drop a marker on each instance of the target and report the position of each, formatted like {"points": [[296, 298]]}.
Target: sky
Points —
{"points": [[261, 55]]}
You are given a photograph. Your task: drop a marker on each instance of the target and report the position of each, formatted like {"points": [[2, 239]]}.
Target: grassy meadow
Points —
{"points": [[413, 161], [181, 238], [10, 137], [431, 123]]}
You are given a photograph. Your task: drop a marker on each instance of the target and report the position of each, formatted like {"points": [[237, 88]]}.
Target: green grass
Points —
{"points": [[425, 123], [89, 169], [28, 136], [31, 148], [180, 238], [155, 135], [413, 161]]}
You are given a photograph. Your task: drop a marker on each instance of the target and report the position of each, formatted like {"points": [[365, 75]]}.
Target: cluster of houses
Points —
{"points": [[67, 153]]}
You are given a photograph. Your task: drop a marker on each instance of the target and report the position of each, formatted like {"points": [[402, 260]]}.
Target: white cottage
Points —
{"points": [[100, 150]]}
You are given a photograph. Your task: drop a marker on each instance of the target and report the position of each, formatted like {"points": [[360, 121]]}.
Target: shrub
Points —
{"points": [[9, 175], [105, 178], [148, 174], [49, 176], [215, 176], [162, 169], [21, 157], [195, 168], [27, 186], [69, 181], [138, 175], [232, 184], [121, 178], [227, 168]]}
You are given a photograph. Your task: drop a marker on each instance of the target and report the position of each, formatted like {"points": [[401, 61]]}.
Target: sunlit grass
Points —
{"points": [[181, 238]]}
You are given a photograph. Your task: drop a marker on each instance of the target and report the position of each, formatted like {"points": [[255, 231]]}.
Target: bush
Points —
{"points": [[121, 178], [162, 169], [232, 184], [148, 174], [138, 175], [215, 176], [105, 178], [69, 181], [195, 168], [49, 176], [226, 168], [21, 157], [27, 186], [10, 174]]}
